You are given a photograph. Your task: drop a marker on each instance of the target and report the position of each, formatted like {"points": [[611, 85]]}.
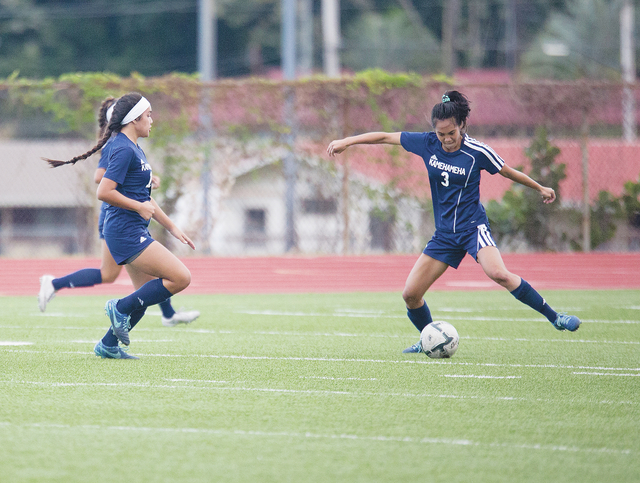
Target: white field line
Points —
{"points": [[7, 343], [340, 378], [137, 340], [309, 435], [471, 376], [606, 374], [298, 392], [315, 334], [423, 361], [282, 313], [311, 392], [57, 314], [354, 314]]}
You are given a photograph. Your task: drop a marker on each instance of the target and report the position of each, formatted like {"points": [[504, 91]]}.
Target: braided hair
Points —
{"points": [[454, 105], [121, 108]]}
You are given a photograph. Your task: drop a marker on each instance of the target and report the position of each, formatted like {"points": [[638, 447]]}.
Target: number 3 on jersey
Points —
{"points": [[445, 180]]}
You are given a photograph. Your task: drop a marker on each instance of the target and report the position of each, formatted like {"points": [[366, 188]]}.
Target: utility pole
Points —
{"points": [[288, 52], [306, 37], [331, 37], [628, 63], [512, 36], [450, 22], [207, 57], [207, 39]]}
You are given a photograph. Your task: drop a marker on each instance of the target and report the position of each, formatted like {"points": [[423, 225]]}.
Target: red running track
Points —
{"points": [[386, 273]]}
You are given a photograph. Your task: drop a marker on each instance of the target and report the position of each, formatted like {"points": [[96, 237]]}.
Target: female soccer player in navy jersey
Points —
{"points": [[156, 273], [109, 270], [454, 161]]}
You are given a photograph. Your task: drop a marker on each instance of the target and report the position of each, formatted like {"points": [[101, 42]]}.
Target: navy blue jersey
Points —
{"points": [[104, 154], [454, 178], [129, 168], [103, 163]]}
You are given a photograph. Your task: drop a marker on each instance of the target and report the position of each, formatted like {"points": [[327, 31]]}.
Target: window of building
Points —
{"points": [[320, 206], [381, 229], [255, 227]]}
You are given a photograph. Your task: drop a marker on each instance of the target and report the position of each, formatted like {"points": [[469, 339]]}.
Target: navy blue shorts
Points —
{"points": [[125, 248], [451, 248]]}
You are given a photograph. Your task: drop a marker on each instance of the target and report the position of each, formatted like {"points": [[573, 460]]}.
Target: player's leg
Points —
{"points": [[86, 277], [171, 317], [109, 269], [491, 261], [49, 285], [424, 273], [108, 346], [168, 276]]}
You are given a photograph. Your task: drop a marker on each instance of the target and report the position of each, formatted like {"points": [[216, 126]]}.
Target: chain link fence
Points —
{"points": [[244, 169]]}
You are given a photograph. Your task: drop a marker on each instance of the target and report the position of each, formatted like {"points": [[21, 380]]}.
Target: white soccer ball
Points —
{"points": [[439, 340]]}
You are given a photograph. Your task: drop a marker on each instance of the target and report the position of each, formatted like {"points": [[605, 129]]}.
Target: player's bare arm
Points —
{"points": [[548, 194], [161, 217], [339, 145], [108, 193], [97, 176]]}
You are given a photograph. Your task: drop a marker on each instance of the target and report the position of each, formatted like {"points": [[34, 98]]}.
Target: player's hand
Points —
{"points": [[336, 147], [155, 182], [179, 234], [146, 210], [548, 195]]}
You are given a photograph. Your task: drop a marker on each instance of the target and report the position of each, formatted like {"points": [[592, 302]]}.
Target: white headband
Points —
{"points": [[136, 111], [110, 112]]}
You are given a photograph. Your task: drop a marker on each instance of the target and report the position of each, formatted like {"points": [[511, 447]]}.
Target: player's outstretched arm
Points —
{"points": [[339, 145], [548, 194]]}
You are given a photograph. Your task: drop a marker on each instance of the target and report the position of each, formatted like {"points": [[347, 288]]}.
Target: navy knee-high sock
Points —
{"points": [[167, 309], [135, 316], [150, 293], [420, 317], [87, 277], [526, 294], [110, 340]]}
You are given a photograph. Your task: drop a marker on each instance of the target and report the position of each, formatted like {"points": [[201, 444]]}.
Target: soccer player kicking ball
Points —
{"points": [[454, 161]]}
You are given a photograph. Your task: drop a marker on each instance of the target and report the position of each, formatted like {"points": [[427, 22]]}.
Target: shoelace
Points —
{"points": [[562, 317]]}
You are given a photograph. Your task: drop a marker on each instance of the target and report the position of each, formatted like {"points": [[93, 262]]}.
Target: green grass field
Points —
{"points": [[314, 388]]}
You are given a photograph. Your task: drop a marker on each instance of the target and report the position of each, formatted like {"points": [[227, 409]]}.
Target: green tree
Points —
{"points": [[631, 202], [49, 38], [583, 42], [390, 41], [521, 212]]}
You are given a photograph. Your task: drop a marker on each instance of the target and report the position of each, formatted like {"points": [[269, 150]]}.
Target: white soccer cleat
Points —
{"points": [[180, 318], [47, 292]]}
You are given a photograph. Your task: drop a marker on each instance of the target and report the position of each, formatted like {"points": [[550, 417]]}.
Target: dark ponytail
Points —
{"points": [[121, 108], [102, 115], [454, 105]]}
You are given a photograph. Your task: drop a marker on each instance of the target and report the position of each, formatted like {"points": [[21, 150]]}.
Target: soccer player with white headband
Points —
{"points": [[156, 273], [109, 269]]}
